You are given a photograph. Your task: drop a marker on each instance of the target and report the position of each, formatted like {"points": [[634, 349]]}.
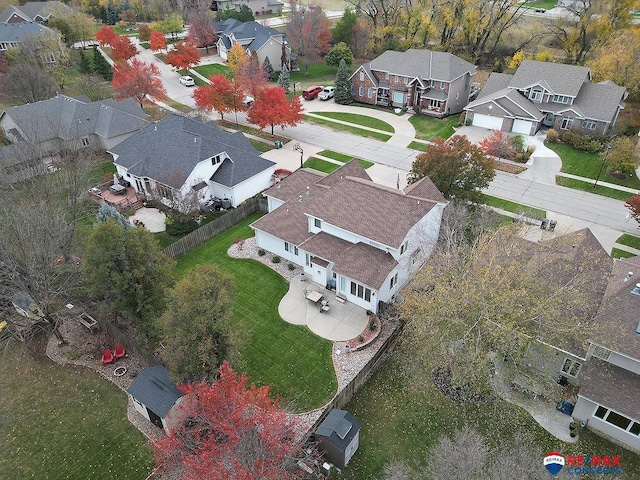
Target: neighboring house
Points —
{"points": [[259, 7], [186, 163], [346, 231], [14, 35], [609, 396], [156, 397], [547, 94], [254, 37], [432, 83], [39, 12]]}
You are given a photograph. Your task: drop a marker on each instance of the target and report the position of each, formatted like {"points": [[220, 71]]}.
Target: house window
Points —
{"points": [[398, 97], [567, 123], [403, 247], [441, 85], [589, 124], [306, 260], [405, 80], [635, 428], [85, 141], [434, 104], [601, 412], [571, 367], [362, 75], [536, 95], [397, 78], [352, 89], [286, 246], [601, 352], [618, 420], [360, 291], [317, 222], [394, 281], [215, 160], [295, 251], [361, 91], [561, 99], [370, 92], [386, 75], [433, 83]]}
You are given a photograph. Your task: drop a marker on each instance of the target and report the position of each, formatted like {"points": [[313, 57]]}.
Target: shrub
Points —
{"points": [[518, 143], [74, 354], [291, 266], [179, 228], [360, 338], [261, 252], [372, 324], [276, 259], [582, 142], [552, 136]]}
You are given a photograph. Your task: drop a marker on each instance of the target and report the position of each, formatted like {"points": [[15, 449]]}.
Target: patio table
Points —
{"points": [[314, 296]]}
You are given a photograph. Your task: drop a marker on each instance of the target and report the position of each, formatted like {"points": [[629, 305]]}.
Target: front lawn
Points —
{"points": [[343, 158], [65, 422], [362, 120], [588, 187], [212, 69], [347, 128], [294, 361], [513, 207], [619, 253], [629, 240], [320, 165], [588, 165], [430, 128]]}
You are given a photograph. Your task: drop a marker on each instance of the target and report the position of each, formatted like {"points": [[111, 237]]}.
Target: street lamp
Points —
{"points": [[604, 160], [298, 148]]}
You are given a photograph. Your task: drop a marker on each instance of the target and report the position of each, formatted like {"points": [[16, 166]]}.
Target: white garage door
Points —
{"points": [[521, 126], [487, 121]]}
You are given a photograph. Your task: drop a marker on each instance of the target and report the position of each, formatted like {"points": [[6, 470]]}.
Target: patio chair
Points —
{"points": [[107, 356], [119, 351]]}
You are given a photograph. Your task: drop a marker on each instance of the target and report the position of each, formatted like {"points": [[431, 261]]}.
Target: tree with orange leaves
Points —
{"points": [[233, 430], [251, 76], [236, 58], [106, 35], [633, 204], [122, 49], [272, 108], [219, 95], [137, 79], [183, 56], [157, 41]]}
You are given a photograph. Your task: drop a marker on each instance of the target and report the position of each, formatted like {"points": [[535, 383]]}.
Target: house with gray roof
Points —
{"points": [[547, 94], [361, 238], [186, 164], [432, 83], [258, 7], [39, 12], [13, 35], [254, 38]]}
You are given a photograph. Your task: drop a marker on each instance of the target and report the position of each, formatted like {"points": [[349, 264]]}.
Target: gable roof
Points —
{"points": [[425, 64], [168, 150], [352, 168], [30, 10], [257, 33], [154, 389], [71, 118], [510, 104], [293, 185], [425, 188], [15, 32], [558, 78], [599, 101]]}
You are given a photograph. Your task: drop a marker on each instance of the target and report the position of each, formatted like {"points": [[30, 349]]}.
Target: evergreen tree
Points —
{"points": [[112, 13], [269, 72], [342, 85], [107, 212], [84, 66], [101, 66], [284, 80]]}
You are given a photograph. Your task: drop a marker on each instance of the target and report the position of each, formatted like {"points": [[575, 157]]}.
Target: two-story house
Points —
{"points": [[361, 238], [185, 164], [259, 7], [547, 94], [254, 38], [432, 83], [39, 12], [15, 35]]}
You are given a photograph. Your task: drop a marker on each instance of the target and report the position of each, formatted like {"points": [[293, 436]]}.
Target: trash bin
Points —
{"points": [[552, 225], [278, 144], [544, 223]]}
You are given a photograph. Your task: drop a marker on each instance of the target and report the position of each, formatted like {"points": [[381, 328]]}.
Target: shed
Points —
{"points": [[26, 306], [155, 396], [338, 437]]}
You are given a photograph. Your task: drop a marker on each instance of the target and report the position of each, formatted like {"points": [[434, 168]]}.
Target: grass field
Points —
{"points": [[319, 74], [629, 240], [211, 70], [588, 187], [294, 361], [62, 422], [320, 165], [347, 128], [362, 120], [422, 147], [618, 253], [429, 128], [514, 207]]}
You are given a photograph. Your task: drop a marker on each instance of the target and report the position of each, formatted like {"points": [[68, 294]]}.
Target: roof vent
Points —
{"points": [[300, 200], [629, 275], [195, 139], [155, 128], [636, 291]]}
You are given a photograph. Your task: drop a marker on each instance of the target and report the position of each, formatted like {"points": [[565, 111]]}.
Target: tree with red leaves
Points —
{"points": [[219, 95], [308, 33], [232, 430], [184, 55], [633, 204], [271, 107], [498, 145], [106, 35], [201, 32], [157, 41], [137, 79], [122, 49], [251, 76]]}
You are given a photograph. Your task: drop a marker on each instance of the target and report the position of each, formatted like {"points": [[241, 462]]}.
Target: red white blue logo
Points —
{"points": [[553, 462]]}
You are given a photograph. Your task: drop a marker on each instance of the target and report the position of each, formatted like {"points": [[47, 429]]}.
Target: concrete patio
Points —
{"points": [[343, 321]]}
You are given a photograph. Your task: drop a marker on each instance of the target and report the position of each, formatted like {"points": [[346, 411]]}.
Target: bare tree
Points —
{"points": [[461, 457], [27, 82]]}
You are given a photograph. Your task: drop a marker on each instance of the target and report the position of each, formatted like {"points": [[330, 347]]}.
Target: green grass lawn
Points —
{"points": [[629, 240], [212, 69], [197, 80], [514, 207], [320, 165], [362, 120], [422, 147], [341, 157], [588, 187], [319, 74], [347, 128], [546, 4], [402, 419], [294, 361], [618, 253], [62, 422], [429, 128], [588, 165], [261, 146]]}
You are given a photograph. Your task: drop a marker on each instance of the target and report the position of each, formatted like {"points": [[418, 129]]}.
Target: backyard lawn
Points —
{"points": [[429, 128], [62, 422], [294, 361], [319, 74]]}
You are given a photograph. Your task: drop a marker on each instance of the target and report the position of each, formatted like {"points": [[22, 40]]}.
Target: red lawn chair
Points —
{"points": [[107, 356], [119, 351]]}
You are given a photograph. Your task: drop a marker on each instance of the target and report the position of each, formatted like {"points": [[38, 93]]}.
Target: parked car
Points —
{"points": [[327, 93], [247, 100], [187, 81], [312, 92]]}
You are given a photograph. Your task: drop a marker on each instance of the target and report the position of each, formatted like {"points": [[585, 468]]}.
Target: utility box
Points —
{"points": [[338, 437]]}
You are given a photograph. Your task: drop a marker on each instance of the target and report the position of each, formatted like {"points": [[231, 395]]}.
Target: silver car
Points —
{"points": [[327, 93]]}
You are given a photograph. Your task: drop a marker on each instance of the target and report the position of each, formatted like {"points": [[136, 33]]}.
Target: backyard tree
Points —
{"points": [[623, 156], [284, 79], [27, 82], [183, 56], [269, 72], [308, 33], [219, 95], [343, 29], [251, 76], [360, 39], [157, 41], [339, 52], [617, 59], [342, 85], [233, 430], [125, 269], [195, 327], [457, 167], [101, 66], [272, 108], [144, 33], [122, 49], [106, 35], [137, 79], [201, 31]]}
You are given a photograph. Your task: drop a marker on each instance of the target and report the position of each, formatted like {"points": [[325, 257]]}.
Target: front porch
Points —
{"points": [[343, 321]]}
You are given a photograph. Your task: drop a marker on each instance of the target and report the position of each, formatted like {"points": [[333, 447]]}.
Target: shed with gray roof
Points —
{"points": [[155, 396]]}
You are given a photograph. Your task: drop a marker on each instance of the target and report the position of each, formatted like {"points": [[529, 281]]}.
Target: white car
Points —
{"points": [[187, 81], [327, 93], [247, 100]]}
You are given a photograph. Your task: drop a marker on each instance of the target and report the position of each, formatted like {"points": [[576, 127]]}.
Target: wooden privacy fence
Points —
{"points": [[211, 229]]}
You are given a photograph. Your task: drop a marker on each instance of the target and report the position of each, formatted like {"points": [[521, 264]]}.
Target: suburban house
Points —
{"points": [[431, 83], [258, 7], [156, 397], [361, 238], [547, 94], [39, 12], [186, 164], [13, 35], [254, 37]]}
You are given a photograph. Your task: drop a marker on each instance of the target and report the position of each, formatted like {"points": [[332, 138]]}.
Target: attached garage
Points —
{"points": [[522, 126], [487, 121]]}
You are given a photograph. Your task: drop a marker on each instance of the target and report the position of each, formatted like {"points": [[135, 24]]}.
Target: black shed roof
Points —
{"points": [[154, 389]]}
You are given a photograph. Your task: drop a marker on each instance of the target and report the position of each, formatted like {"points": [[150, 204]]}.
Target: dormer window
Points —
{"points": [[536, 95], [216, 160], [562, 99], [317, 222]]}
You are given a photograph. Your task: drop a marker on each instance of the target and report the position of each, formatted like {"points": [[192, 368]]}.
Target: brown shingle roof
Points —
{"points": [[425, 188], [294, 184], [349, 169], [612, 387], [366, 264], [325, 246]]}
